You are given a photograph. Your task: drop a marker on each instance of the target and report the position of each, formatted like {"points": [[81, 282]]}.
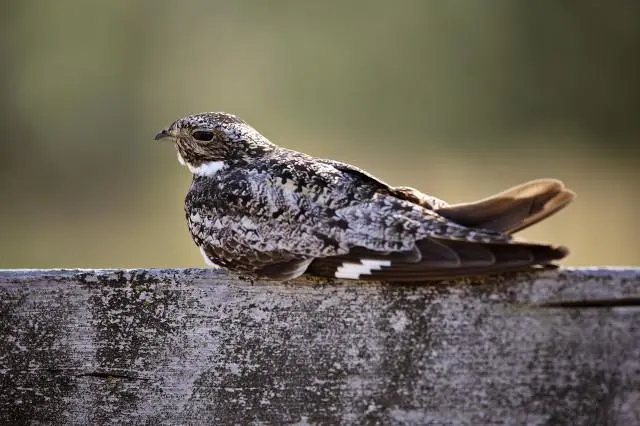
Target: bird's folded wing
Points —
{"points": [[440, 259]]}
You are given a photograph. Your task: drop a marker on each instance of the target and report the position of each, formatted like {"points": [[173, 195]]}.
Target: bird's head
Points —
{"points": [[210, 141]]}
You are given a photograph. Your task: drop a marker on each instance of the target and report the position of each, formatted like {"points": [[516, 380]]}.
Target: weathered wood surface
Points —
{"points": [[200, 347]]}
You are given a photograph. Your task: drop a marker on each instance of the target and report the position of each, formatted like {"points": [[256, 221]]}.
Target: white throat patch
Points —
{"points": [[180, 159], [209, 168]]}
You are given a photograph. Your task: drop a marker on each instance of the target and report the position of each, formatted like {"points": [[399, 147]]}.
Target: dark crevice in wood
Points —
{"points": [[594, 303], [105, 375], [99, 374]]}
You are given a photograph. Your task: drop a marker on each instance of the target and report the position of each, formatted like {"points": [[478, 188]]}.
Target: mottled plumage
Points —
{"points": [[263, 210]]}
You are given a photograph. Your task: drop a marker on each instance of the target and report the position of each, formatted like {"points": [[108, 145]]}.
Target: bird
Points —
{"points": [[264, 211]]}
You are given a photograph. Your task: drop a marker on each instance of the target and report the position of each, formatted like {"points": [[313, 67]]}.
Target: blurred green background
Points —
{"points": [[458, 98]]}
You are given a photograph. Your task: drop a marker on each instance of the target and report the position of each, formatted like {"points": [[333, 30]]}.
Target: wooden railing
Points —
{"points": [[201, 347]]}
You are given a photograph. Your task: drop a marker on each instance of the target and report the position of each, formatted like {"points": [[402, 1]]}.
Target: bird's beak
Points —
{"points": [[163, 134]]}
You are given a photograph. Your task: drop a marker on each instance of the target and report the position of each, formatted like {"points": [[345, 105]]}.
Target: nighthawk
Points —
{"points": [[266, 211]]}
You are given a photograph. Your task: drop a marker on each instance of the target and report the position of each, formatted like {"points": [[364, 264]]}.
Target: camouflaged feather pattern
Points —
{"points": [[288, 202], [257, 208]]}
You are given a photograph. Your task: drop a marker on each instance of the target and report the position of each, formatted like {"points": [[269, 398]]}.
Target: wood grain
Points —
{"points": [[203, 347]]}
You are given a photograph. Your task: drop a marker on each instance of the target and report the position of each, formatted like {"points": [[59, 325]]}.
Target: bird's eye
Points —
{"points": [[203, 135]]}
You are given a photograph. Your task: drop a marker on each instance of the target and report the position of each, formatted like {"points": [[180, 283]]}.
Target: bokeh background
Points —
{"points": [[458, 98]]}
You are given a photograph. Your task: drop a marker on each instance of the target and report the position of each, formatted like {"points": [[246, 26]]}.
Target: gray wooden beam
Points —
{"points": [[201, 347]]}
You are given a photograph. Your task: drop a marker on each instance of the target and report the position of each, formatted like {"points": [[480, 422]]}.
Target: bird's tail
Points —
{"points": [[512, 210]]}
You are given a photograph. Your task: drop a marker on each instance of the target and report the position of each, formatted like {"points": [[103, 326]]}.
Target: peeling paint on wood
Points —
{"points": [[202, 347]]}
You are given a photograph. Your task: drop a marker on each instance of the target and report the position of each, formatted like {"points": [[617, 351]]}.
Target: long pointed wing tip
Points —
{"points": [[562, 252]]}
